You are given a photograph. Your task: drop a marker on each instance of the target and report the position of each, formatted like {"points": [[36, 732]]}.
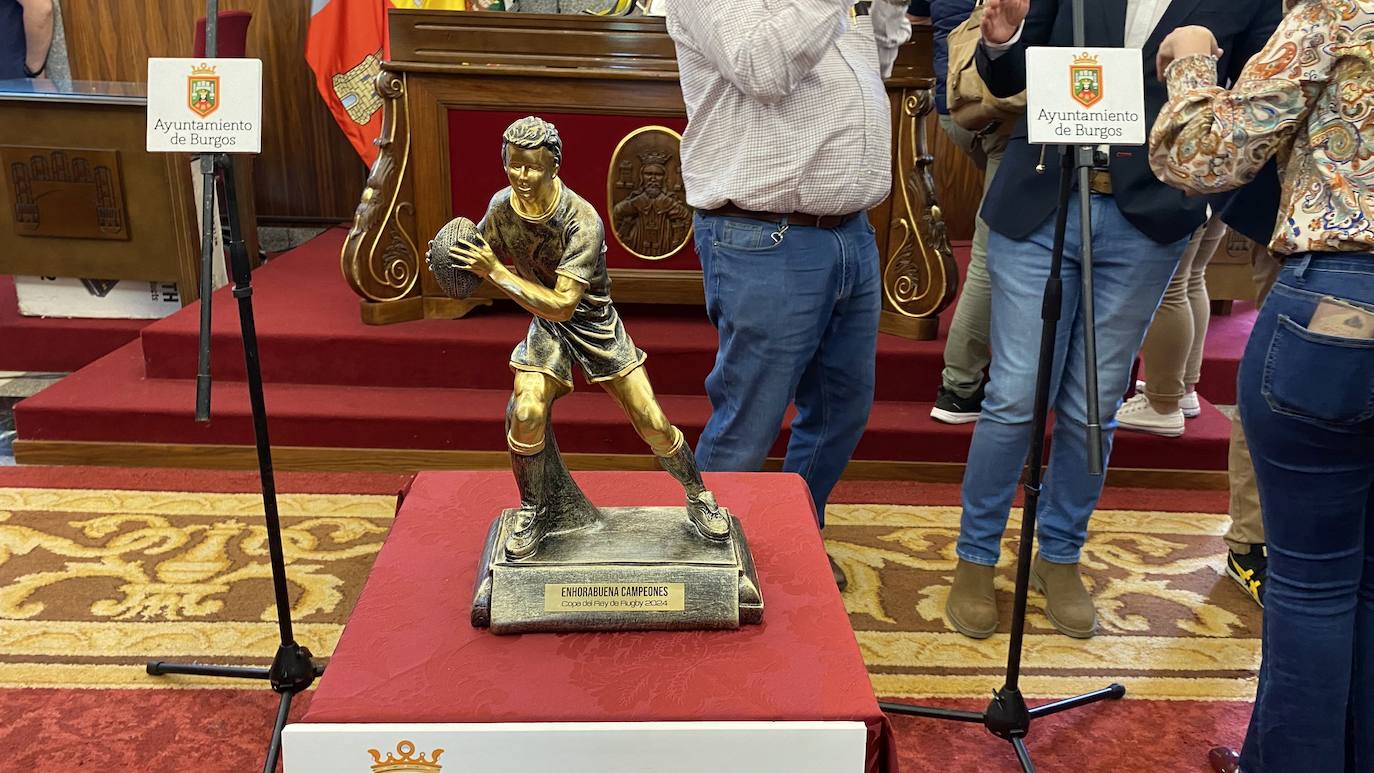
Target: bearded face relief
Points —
{"points": [[648, 203]]}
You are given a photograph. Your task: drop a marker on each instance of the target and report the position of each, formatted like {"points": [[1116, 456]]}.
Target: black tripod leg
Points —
{"points": [[1023, 755], [274, 749], [292, 669], [243, 292], [1109, 693], [1050, 312], [207, 284], [1087, 307], [161, 668], [954, 715]]}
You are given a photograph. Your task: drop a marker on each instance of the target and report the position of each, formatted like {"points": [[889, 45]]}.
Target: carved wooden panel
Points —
{"points": [[65, 192], [381, 254], [447, 63], [645, 195], [920, 276]]}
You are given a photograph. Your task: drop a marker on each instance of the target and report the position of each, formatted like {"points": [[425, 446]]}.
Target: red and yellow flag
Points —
{"points": [[345, 46]]}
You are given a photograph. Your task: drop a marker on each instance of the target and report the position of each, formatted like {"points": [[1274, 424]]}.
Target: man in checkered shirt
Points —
{"points": [[788, 144]]}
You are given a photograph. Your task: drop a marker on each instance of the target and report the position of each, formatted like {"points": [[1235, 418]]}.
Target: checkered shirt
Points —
{"points": [[786, 107]]}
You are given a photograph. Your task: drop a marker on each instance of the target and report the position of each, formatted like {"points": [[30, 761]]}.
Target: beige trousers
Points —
{"points": [[1247, 524], [1172, 353], [967, 351]]}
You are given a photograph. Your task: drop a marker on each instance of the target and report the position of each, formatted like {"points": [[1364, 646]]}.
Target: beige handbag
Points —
{"points": [[970, 104]]}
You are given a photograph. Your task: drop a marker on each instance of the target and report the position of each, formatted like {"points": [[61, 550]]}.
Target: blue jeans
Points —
{"points": [[1130, 274], [1307, 403], [797, 317]]}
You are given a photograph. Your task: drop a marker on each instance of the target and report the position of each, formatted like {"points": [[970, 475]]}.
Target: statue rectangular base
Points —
{"points": [[642, 568]]}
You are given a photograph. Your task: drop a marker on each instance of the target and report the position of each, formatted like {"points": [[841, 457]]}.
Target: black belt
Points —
{"points": [[791, 218]]}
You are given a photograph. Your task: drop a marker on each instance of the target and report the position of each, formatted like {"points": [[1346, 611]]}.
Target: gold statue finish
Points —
{"points": [[544, 247]]}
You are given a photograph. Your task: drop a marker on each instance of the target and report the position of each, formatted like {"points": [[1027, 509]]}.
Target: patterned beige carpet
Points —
{"points": [[97, 578], [1171, 626]]}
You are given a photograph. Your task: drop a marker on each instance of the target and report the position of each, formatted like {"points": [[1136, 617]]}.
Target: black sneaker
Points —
{"points": [[1248, 570], [953, 409]]}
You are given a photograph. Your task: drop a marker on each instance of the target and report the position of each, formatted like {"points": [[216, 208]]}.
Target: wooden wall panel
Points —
{"points": [[307, 170]]}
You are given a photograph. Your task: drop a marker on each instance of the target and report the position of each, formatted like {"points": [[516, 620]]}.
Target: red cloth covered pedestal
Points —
{"points": [[410, 655]]}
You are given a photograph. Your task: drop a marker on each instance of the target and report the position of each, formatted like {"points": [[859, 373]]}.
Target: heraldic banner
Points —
{"points": [[345, 46]]}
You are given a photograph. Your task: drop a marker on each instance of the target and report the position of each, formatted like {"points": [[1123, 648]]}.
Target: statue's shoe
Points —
{"points": [[529, 530], [707, 516]]}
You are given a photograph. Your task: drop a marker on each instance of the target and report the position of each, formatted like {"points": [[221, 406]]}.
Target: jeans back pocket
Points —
{"points": [[1319, 378]]}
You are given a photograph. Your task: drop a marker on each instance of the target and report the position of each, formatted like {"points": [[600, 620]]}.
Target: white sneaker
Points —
{"points": [[1137, 414], [1189, 404]]}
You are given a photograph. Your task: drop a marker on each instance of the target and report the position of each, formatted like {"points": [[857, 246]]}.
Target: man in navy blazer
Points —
{"points": [[1140, 229]]}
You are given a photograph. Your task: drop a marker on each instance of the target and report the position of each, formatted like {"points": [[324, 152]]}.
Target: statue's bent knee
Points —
{"points": [[527, 416]]}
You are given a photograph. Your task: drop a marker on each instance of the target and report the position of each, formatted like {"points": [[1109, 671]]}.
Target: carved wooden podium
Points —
{"points": [[456, 79]]}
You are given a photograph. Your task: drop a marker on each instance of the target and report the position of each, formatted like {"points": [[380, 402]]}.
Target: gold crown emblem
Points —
{"points": [[1084, 58], [204, 68], [407, 762]]}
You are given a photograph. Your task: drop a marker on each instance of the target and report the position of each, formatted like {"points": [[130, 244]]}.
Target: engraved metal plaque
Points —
{"points": [[640, 568], [647, 200], [68, 193]]}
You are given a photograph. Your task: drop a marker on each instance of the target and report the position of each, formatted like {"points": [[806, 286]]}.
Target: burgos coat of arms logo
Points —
{"points": [[1085, 80], [202, 90]]}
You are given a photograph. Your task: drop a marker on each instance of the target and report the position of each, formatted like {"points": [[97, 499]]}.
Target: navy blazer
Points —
{"points": [[14, 47], [1020, 200], [944, 15]]}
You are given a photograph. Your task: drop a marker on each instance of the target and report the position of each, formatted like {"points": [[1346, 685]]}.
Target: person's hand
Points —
{"points": [[1002, 18], [475, 257], [1185, 42]]}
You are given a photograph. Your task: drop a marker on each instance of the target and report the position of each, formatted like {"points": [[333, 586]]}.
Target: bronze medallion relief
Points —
{"points": [[647, 200]]}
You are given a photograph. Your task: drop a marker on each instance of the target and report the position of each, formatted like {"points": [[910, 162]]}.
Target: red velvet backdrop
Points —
{"points": [[589, 141]]}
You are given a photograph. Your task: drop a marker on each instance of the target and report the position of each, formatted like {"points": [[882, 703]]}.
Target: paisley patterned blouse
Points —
{"points": [[1308, 98]]}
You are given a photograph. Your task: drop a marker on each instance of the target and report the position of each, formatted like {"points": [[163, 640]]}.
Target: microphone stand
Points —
{"points": [[1008, 716], [292, 669]]}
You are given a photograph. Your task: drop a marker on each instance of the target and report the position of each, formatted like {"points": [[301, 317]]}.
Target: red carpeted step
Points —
{"points": [[1227, 336], [48, 344], [310, 332], [110, 401]]}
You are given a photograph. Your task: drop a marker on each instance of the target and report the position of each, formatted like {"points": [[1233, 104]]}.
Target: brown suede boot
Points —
{"points": [[1068, 604], [972, 604]]}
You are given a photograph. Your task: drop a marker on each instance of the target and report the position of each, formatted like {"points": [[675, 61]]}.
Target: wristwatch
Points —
{"points": [[35, 73]]}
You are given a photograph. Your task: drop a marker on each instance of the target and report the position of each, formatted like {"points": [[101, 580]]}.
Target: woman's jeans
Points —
{"points": [[1307, 402]]}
